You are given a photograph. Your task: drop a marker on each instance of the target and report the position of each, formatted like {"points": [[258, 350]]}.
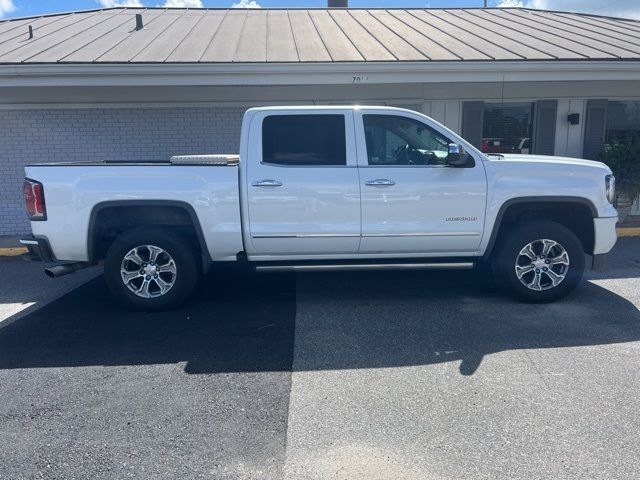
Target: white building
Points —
{"points": [[145, 84]]}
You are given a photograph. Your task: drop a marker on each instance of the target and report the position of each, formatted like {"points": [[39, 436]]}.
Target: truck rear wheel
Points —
{"points": [[150, 269], [540, 261]]}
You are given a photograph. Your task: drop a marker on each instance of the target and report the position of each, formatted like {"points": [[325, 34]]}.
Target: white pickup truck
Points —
{"points": [[320, 188]]}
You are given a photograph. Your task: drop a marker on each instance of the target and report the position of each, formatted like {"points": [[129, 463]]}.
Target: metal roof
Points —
{"points": [[315, 35]]}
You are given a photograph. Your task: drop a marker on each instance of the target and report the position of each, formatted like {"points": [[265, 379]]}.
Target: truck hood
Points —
{"points": [[514, 157]]}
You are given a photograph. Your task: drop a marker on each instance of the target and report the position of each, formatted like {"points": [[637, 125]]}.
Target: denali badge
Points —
{"points": [[461, 219]]}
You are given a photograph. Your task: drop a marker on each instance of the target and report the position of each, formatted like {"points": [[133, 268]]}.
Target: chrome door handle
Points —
{"points": [[267, 183], [379, 182]]}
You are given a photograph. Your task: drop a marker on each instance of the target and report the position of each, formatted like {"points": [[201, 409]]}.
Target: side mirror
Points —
{"points": [[458, 158]]}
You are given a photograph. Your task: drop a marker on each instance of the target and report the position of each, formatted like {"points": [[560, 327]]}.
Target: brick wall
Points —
{"points": [[133, 134]]}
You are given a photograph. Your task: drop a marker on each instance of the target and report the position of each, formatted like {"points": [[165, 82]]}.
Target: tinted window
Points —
{"points": [[623, 122], [395, 140], [507, 128], [304, 140]]}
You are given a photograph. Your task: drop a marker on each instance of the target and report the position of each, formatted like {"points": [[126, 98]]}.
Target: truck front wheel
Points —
{"points": [[539, 261], [150, 269]]}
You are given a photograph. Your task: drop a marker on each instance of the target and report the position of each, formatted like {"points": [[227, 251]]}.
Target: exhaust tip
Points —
{"points": [[64, 269]]}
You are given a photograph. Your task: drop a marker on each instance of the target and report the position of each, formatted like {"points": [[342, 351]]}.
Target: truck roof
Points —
{"points": [[330, 107]]}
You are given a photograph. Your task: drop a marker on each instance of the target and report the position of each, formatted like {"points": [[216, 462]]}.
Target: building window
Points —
{"points": [[507, 127], [623, 122], [305, 140]]}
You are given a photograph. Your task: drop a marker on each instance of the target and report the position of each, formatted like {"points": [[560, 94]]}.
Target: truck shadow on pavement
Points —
{"points": [[241, 322]]}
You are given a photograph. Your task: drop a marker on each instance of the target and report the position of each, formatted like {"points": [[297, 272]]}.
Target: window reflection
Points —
{"points": [[623, 122], [507, 128]]}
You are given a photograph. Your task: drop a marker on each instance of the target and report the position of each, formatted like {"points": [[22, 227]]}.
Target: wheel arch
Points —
{"points": [[515, 209], [187, 218]]}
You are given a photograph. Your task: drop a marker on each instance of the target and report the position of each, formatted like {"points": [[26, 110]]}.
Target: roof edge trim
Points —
{"points": [[354, 73]]}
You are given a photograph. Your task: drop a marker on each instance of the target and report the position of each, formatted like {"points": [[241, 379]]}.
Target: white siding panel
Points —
{"points": [[452, 115], [438, 111]]}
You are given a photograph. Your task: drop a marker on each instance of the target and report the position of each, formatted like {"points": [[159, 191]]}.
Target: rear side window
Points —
{"points": [[304, 140]]}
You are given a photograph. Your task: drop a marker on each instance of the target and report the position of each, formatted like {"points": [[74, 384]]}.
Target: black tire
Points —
{"points": [[508, 253], [184, 276]]}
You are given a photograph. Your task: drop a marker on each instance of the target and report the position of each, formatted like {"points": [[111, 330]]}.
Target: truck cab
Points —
{"points": [[367, 182]]}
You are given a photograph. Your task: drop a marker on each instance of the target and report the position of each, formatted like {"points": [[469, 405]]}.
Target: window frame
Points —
{"points": [[350, 141]]}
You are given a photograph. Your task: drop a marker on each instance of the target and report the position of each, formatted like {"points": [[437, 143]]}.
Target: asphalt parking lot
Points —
{"points": [[380, 375]]}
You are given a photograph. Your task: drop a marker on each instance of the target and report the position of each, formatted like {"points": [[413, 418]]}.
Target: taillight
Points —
{"points": [[34, 200]]}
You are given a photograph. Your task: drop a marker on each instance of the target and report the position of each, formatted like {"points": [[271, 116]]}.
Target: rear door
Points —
{"points": [[302, 183]]}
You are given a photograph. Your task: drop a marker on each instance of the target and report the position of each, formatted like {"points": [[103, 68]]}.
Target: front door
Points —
{"points": [[412, 201], [302, 183]]}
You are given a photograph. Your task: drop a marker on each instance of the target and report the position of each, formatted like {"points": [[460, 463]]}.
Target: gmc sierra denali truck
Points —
{"points": [[320, 188]]}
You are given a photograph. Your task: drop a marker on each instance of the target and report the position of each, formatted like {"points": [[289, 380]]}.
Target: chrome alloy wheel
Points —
{"points": [[542, 264], [148, 271]]}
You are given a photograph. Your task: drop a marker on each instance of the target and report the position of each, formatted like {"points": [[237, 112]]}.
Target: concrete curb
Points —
{"points": [[628, 231], [12, 251]]}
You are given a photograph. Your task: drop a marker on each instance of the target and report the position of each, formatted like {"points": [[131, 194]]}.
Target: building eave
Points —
{"points": [[338, 73]]}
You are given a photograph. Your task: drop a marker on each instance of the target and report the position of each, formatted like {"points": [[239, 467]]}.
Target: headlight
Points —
{"points": [[610, 187]]}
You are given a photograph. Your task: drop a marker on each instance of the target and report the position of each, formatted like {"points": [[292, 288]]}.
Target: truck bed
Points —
{"points": [[213, 160]]}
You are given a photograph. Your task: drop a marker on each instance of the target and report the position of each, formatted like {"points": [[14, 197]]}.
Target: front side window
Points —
{"points": [[395, 140], [304, 140]]}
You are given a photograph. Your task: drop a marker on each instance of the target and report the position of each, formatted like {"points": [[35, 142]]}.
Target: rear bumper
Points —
{"points": [[39, 249]]}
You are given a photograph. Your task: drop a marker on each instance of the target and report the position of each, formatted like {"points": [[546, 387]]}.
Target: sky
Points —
{"points": [[22, 8]]}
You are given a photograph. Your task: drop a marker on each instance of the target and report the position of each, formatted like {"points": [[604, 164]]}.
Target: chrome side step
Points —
{"points": [[366, 266]]}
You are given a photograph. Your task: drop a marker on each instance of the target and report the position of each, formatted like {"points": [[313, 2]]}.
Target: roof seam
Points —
{"points": [[621, 22], [423, 35], [475, 35], [213, 36], [398, 35], [519, 21], [266, 37], [193, 27], [345, 34], [21, 25], [124, 39], [538, 38], [604, 25], [372, 35], [293, 35], [237, 46], [571, 32], [94, 40], [69, 37], [510, 38], [579, 14], [150, 42], [313, 22], [449, 35], [45, 35]]}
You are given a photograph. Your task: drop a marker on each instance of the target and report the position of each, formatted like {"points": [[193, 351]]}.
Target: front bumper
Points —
{"points": [[605, 237], [39, 249]]}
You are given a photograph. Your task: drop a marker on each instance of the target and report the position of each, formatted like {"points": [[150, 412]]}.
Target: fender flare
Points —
{"points": [[98, 207], [513, 201]]}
